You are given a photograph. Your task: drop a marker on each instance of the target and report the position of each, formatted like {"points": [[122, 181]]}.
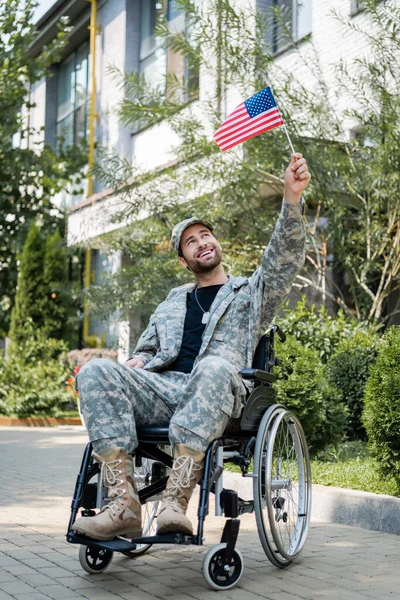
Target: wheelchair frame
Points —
{"points": [[266, 432]]}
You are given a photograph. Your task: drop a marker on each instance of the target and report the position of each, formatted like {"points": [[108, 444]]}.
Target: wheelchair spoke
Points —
{"points": [[284, 484]]}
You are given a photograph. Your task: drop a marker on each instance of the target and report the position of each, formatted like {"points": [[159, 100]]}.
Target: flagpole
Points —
{"points": [[288, 137], [284, 125]]}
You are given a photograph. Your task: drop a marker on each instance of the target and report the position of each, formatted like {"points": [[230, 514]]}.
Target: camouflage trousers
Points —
{"points": [[115, 399]]}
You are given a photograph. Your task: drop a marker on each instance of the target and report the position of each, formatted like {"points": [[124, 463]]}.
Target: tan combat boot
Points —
{"points": [[122, 516], [186, 472]]}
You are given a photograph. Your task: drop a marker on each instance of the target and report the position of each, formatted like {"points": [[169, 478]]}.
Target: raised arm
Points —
{"points": [[285, 254]]}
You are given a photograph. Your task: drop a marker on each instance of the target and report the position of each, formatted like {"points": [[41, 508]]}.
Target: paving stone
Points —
{"points": [[37, 580], [156, 589], [36, 563], [8, 561], [6, 576], [98, 594], [137, 595], [338, 562], [57, 591], [55, 572], [75, 582], [282, 596], [20, 569], [4, 596], [34, 596], [132, 578], [16, 587]]}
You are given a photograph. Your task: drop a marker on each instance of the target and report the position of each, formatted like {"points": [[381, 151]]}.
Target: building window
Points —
{"points": [[73, 96], [155, 62], [297, 16]]}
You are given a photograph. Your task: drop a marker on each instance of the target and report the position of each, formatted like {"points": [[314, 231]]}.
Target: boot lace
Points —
{"points": [[109, 476], [183, 471]]}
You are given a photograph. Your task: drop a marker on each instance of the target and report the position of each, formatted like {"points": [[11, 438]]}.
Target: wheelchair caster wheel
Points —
{"points": [[94, 560], [218, 575], [140, 550]]}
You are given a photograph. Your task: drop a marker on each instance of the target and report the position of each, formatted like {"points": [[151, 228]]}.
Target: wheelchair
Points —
{"points": [[267, 443]]}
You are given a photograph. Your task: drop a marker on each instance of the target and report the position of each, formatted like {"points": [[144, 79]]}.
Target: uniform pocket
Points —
{"points": [[227, 405]]}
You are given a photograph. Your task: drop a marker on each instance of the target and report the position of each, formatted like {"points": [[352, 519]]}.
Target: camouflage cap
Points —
{"points": [[180, 228]]}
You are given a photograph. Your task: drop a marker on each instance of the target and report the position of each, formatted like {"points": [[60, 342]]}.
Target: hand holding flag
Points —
{"points": [[297, 178], [251, 118]]}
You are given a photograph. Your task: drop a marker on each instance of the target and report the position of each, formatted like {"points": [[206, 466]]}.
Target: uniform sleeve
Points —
{"points": [[148, 343], [283, 259]]}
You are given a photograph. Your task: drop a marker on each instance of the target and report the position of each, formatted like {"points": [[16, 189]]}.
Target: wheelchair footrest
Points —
{"points": [[246, 506], [116, 545], [122, 545]]}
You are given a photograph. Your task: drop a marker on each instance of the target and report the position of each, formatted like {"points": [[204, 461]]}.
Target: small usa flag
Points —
{"points": [[252, 117]]}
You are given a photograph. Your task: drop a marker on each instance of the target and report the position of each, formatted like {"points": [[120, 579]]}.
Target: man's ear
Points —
{"points": [[184, 263]]}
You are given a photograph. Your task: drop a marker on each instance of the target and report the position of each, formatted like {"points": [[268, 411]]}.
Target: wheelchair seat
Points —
{"points": [[257, 401]]}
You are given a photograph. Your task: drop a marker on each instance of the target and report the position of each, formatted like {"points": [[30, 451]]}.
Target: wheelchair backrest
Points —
{"points": [[260, 358]]}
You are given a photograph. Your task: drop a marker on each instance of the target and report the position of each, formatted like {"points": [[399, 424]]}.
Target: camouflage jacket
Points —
{"points": [[243, 308]]}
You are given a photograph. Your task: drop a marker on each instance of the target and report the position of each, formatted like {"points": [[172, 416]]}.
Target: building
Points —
{"points": [[120, 33]]}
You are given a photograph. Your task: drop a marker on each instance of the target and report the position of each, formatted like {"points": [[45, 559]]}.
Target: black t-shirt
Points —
{"points": [[193, 328]]}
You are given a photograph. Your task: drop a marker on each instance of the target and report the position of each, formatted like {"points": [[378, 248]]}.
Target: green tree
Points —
{"points": [[355, 181], [56, 281], [32, 289], [45, 294], [31, 173], [382, 405]]}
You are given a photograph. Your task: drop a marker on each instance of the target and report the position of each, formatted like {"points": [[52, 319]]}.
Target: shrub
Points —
{"points": [[33, 378], [80, 357], [348, 370], [316, 329], [381, 415], [302, 387]]}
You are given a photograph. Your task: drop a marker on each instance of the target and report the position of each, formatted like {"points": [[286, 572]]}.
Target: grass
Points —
{"points": [[348, 466], [354, 474]]}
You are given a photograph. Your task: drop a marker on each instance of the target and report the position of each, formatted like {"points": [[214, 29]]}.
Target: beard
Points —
{"points": [[198, 266]]}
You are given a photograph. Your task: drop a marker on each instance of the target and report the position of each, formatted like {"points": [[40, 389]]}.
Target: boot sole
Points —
{"points": [[174, 528], [129, 533]]}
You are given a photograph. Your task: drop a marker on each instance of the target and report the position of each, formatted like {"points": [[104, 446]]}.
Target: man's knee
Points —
{"points": [[182, 435], [95, 367], [215, 365], [94, 370]]}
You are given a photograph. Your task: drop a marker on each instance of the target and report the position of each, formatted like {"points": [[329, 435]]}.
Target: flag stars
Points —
{"points": [[260, 102]]}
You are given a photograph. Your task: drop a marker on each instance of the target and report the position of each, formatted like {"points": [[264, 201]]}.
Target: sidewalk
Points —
{"points": [[37, 477]]}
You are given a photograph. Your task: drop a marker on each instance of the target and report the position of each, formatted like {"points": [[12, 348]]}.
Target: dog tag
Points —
{"points": [[205, 318]]}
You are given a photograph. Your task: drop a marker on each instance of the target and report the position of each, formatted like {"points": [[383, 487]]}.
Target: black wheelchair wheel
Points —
{"points": [[94, 560], [282, 486], [219, 574]]}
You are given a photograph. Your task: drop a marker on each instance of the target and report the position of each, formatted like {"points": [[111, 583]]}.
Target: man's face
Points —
{"points": [[201, 250]]}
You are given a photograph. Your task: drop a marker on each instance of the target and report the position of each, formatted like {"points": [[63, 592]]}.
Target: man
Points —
{"points": [[185, 372]]}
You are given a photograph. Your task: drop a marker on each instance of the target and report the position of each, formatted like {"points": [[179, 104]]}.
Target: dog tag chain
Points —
{"points": [[206, 315]]}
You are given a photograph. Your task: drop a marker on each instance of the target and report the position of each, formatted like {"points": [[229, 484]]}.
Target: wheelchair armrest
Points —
{"points": [[258, 375]]}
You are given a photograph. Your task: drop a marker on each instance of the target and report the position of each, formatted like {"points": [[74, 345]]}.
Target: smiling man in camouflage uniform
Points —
{"points": [[185, 372]]}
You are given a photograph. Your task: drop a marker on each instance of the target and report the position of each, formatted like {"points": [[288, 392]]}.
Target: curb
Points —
{"points": [[376, 512], [39, 421]]}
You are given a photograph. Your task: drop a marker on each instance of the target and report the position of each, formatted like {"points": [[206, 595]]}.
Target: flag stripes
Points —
{"points": [[251, 118]]}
